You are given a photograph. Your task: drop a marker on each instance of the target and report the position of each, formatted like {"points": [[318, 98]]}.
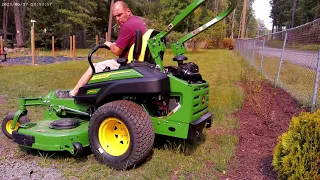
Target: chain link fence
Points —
{"points": [[290, 59]]}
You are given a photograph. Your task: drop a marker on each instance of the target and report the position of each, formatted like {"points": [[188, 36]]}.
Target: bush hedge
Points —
{"points": [[227, 43], [297, 154]]}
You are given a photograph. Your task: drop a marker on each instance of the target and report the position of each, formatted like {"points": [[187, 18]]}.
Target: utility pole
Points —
{"points": [[243, 21], [110, 21]]}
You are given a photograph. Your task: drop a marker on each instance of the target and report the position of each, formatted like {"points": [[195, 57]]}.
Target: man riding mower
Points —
{"points": [[118, 112]]}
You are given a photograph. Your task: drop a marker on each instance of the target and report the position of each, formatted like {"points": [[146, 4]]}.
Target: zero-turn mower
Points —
{"points": [[118, 112]]}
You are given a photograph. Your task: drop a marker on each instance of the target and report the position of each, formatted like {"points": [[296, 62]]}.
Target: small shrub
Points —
{"points": [[297, 154], [212, 43], [227, 43]]}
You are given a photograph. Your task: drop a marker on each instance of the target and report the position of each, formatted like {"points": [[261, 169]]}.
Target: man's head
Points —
{"points": [[121, 12]]}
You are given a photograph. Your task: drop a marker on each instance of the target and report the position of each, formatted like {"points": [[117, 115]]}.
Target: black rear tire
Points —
{"points": [[129, 116], [6, 123]]}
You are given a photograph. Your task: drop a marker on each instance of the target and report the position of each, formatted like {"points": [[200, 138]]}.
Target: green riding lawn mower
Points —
{"points": [[118, 112]]}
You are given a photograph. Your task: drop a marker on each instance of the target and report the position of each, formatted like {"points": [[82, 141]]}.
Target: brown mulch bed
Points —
{"points": [[264, 116]]}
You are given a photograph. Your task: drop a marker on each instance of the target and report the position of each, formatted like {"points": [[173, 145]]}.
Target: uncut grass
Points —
{"points": [[171, 158], [297, 80]]}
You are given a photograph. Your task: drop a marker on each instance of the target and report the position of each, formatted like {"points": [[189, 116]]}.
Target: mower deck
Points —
{"points": [[39, 135]]}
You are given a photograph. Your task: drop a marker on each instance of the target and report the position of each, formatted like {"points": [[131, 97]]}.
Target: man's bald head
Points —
{"points": [[121, 12], [120, 4]]}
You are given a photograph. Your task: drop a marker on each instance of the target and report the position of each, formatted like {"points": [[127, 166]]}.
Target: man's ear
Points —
{"points": [[129, 12]]}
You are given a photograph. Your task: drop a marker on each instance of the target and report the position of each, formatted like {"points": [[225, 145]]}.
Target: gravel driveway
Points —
{"points": [[302, 58], [18, 165]]}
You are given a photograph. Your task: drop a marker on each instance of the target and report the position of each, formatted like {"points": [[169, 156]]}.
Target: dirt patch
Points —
{"points": [[2, 100], [264, 116]]}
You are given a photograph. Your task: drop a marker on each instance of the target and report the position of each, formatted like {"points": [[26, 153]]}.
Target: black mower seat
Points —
{"points": [[144, 55], [136, 49]]}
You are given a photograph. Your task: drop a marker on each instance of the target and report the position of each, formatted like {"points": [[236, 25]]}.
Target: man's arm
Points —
{"points": [[114, 48]]}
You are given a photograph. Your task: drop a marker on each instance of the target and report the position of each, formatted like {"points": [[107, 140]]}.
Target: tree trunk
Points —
{"points": [[5, 21], [232, 23], [17, 19], [194, 47], [293, 12], [246, 26], [244, 11], [110, 21], [84, 35], [206, 45], [23, 20], [317, 13], [240, 26], [216, 7], [272, 31]]}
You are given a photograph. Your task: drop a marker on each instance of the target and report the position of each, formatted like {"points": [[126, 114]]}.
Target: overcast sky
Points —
{"points": [[262, 11]]}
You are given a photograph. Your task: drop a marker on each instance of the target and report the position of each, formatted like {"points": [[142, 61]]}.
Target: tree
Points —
{"points": [[5, 21], [262, 29], [289, 13], [64, 18], [19, 25]]}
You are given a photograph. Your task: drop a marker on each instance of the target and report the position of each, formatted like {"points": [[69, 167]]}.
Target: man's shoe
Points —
{"points": [[63, 94]]}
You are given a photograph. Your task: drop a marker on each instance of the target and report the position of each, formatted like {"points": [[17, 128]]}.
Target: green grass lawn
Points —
{"points": [[170, 159]]}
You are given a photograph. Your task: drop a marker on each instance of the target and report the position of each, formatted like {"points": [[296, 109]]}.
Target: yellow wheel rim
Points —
{"points": [[114, 136], [8, 127]]}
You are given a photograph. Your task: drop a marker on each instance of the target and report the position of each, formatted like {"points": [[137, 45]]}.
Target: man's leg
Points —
{"points": [[99, 67], [83, 81]]}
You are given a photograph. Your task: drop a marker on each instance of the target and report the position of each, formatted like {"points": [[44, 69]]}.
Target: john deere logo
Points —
{"points": [[203, 99]]}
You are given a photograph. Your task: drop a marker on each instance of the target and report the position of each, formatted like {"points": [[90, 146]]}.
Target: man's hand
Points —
{"points": [[114, 48], [108, 43]]}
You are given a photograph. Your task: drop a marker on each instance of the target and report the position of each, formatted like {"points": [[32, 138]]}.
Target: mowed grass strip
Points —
{"points": [[171, 158], [296, 79]]}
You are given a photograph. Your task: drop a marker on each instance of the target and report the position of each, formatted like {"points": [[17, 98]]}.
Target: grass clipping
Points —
{"points": [[296, 155]]}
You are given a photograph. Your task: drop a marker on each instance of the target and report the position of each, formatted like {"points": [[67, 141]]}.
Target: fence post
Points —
{"points": [[32, 46], [53, 46], [253, 55], [316, 81], [97, 43], [240, 46], [247, 43], [106, 40], [74, 47], [262, 54], [1, 45], [281, 59], [243, 46], [71, 44]]}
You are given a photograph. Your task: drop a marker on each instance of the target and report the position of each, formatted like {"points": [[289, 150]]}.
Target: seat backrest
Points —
{"points": [[144, 47], [147, 57], [138, 45]]}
